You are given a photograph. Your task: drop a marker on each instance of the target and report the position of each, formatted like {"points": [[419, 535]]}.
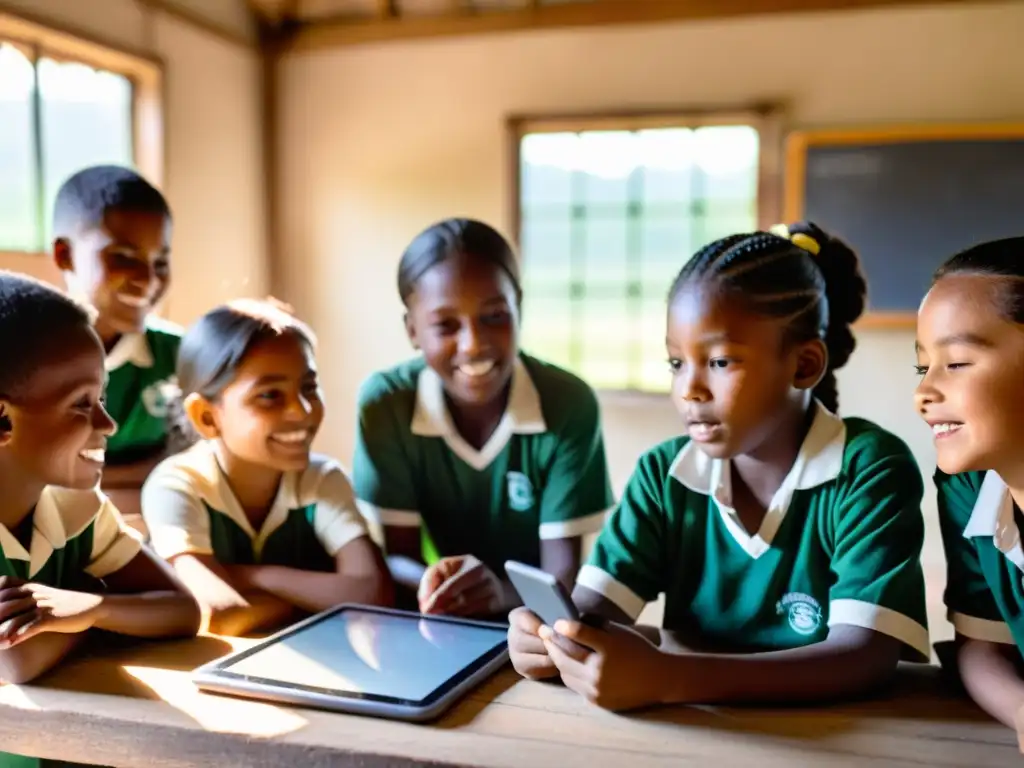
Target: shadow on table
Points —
{"points": [[477, 700], [920, 697], [78, 672]]}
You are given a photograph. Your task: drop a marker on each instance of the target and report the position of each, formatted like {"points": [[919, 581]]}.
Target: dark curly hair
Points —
{"points": [[35, 320], [85, 198], [799, 273]]}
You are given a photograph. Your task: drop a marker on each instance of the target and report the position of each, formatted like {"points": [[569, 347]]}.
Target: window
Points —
{"points": [[66, 104], [607, 214]]}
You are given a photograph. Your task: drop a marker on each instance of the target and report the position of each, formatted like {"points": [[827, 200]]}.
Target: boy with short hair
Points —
{"points": [[112, 235], [67, 562]]}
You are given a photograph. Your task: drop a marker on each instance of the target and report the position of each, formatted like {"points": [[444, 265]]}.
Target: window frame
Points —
{"points": [[144, 71], [768, 120]]}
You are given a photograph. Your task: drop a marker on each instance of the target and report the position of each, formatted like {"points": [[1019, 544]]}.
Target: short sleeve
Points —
{"points": [[969, 600], [381, 470], [337, 520], [627, 560], [114, 545], [878, 534], [577, 494], [177, 520]]}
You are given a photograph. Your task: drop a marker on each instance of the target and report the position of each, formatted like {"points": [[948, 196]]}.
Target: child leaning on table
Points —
{"points": [[112, 241], [970, 355], [254, 524], [786, 539], [67, 562]]}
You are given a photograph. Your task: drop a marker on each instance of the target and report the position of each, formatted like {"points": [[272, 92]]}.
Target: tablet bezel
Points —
{"points": [[215, 676]]}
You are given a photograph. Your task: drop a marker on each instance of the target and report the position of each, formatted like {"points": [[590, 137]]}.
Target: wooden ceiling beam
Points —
{"points": [[328, 33], [197, 20]]}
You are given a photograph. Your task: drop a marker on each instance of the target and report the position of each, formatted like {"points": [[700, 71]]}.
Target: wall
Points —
{"points": [[213, 121], [381, 140]]}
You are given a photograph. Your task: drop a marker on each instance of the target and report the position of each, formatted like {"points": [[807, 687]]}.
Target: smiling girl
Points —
{"points": [[498, 454], [970, 350], [255, 525]]}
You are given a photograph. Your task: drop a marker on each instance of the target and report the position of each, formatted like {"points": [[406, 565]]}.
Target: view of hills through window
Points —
{"points": [[607, 218]]}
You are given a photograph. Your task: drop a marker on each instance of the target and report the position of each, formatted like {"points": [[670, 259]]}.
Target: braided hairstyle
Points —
{"points": [[1001, 260], [797, 273]]}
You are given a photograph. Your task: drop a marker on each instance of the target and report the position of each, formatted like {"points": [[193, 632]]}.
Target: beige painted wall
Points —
{"points": [[380, 141], [213, 121]]}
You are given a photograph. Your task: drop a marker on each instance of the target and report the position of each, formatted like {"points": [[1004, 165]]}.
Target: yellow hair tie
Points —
{"points": [[799, 239]]}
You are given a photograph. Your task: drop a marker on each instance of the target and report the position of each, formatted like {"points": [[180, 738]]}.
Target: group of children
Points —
{"points": [[785, 539]]}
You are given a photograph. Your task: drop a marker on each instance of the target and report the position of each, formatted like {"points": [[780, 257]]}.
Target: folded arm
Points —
{"points": [[991, 676], [360, 576], [144, 599], [228, 608], [849, 661], [28, 660]]}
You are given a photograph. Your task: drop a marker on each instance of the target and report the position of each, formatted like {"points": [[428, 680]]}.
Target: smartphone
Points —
{"points": [[542, 593]]}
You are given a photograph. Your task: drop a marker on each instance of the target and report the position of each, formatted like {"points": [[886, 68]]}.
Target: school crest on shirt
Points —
{"points": [[156, 398], [520, 492], [802, 612]]}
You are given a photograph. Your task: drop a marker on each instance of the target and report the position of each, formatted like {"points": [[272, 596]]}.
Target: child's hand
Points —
{"points": [[17, 608], [56, 610], [616, 668], [460, 586], [526, 649]]}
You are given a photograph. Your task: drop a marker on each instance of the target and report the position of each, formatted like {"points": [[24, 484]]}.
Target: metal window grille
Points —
{"points": [[606, 219]]}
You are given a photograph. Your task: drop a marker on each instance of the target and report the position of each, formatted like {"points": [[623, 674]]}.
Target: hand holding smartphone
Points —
{"points": [[543, 594]]}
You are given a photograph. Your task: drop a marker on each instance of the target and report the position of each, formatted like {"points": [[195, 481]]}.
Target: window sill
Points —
{"points": [[631, 397], [15, 254]]}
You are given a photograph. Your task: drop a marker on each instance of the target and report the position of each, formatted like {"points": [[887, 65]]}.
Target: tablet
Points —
{"points": [[364, 660]]}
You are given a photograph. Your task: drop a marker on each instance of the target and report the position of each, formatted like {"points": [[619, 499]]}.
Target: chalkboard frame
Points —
{"points": [[799, 143]]}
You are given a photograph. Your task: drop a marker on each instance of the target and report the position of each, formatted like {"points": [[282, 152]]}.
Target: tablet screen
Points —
{"points": [[375, 655]]}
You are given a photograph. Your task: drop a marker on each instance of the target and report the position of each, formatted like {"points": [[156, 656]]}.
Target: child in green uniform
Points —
{"points": [[785, 539], [970, 354], [255, 525], [112, 234], [497, 454], [67, 563]]}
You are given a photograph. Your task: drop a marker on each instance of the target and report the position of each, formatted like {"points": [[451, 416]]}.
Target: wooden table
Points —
{"points": [[136, 707]]}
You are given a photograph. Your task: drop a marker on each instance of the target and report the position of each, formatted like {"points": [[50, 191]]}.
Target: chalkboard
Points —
{"points": [[907, 199]]}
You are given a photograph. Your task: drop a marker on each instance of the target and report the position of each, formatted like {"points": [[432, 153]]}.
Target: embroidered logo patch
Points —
{"points": [[157, 397], [802, 611], [520, 492]]}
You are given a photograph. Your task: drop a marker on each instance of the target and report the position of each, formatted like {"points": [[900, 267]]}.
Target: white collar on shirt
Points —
{"points": [[993, 516], [49, 532], [523, 416], [130, 348], [819, 461], [207, 479]]}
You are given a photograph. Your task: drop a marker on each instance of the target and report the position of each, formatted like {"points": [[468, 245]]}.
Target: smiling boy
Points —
{"points": [[67, 563], [112, 235]]}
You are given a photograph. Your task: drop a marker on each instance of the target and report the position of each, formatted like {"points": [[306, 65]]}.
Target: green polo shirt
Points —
{"points": [[77, 536], [984, 560], [840, 543], [189, 507], [541, 475], [141, 382]]}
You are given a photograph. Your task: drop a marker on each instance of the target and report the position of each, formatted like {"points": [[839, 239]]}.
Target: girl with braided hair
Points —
{"points": [[785, 539]]}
